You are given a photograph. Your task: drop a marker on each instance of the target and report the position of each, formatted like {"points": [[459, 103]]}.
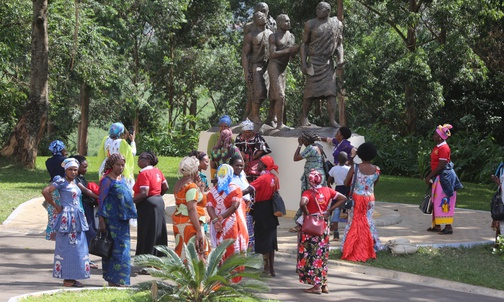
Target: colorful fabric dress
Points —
{"points": [[117, 207], [265, 222], [223, 155], [233, 226], [444, 195], [183, 229], [248, 148], [242, 182], [110, 146], [361, 240], [151, 230], [71, 254], [313, 251], [314, 160]]}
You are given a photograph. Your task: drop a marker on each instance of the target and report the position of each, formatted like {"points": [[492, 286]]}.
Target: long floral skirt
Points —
{"points": [[313, 252]]}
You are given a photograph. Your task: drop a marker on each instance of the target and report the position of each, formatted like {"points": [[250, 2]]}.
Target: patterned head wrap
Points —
{"points": [[116, 129], [225, 119], [444, 131], [269, 163], [56, 147], [224, 176], [247, 125], [70, 162], [111, 160], [188, 166], [225, 138], [151, 157], [314, 178]]}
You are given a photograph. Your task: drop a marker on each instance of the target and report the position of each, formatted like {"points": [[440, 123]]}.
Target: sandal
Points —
{"points": [[434, 229], [143, 271], [325, 289], [446, 232], [72, 284], [313, 290], [93, 265], [294, 229]]}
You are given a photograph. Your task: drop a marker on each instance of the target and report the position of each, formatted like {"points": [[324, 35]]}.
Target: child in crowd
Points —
{"points": [[337, 175]]}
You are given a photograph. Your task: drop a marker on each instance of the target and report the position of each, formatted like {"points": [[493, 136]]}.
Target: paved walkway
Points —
{"points": [[26, 258]]}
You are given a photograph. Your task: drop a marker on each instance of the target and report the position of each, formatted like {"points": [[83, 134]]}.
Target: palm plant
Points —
{"points": [[200, 280]]}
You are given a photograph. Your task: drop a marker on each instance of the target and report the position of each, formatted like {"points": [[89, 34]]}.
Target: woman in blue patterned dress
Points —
{"points": [[53, 165], [71, 255], [116, 209]]}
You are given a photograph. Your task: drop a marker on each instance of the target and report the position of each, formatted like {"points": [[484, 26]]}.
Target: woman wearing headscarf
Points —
{"points": [[444, 182], [223, 151], [54, 168], [114, 144], [314, 160], [190, 203], [252, 146], [224, 123], [240, 179], [226, 209], [313, 251], [71, 254], [149, 189], [115, 211], [265, 222]]}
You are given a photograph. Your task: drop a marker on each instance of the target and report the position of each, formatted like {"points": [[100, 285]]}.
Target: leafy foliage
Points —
{"points": [[199, 280]]}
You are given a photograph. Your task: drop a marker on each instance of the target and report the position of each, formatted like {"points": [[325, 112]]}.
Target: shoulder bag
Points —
{"points": [[278, 205], [101, 245], [314, 224], [349, 202], [496, 206], [426, 205], [327, 164]]}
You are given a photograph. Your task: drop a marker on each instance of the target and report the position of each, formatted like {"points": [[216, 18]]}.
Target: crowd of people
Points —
{"points": [[237, 202]]}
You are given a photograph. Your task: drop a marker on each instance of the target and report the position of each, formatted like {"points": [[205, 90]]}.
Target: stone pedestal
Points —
{"points": [[283, 144]]}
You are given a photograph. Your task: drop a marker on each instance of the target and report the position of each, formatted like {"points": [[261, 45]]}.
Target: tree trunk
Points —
{"points": [[411, 112], [24, 141], [84, 123]]}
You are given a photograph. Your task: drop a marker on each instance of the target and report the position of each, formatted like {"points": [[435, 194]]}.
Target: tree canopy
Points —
{"points": [[170, 68]]}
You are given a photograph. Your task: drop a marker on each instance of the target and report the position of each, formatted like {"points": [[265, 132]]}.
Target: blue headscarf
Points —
{"points": [[116, 129], [56, 147], [224, 176], [225, 119]]}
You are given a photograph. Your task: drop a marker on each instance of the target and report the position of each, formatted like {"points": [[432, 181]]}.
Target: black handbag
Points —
{"points": [[426, 205], [348, 204], [278, 205], [496, 206], [101, 245], [327, 164]]}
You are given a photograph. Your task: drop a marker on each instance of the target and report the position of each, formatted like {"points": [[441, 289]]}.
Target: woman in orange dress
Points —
{"points": [[190, 202]]}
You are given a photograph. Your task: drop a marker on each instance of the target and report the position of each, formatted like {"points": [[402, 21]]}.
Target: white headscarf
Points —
{"points": [[247, 125], [70, 162]]}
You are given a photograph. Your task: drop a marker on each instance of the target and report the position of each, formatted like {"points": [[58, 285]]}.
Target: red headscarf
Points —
{"points": [[269, 163]]}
